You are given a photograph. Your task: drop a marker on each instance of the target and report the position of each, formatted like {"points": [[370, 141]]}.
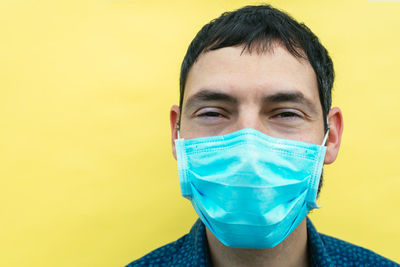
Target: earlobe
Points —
{"points": [[335, 119], [174, 120]]}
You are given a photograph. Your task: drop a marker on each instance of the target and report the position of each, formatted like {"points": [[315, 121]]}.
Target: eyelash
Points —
{"points": [[210, 114], [285, 113]]}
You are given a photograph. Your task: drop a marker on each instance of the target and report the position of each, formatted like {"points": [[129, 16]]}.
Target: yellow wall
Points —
{"points": [[87, 175]]}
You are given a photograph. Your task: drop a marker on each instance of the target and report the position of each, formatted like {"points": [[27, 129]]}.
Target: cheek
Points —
{"points": [[200, 132], [313, 139], [309, 134], [314, 136], [190, 130]]}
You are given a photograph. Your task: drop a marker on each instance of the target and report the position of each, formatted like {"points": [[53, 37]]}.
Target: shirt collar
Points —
{"points": [[317, 253], [197, 240]]}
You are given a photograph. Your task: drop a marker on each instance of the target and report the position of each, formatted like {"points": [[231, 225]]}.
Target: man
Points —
{"points": [[252, 131]]}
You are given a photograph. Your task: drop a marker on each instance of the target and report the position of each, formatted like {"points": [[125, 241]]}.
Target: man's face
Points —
{"points": [[274, 92]]}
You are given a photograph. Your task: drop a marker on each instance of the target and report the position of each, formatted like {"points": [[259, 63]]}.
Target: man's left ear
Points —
{"points": [[335, 120]]}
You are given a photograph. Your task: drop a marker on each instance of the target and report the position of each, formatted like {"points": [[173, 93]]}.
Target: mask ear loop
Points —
{"points": [[327, 133], [178, 126]]}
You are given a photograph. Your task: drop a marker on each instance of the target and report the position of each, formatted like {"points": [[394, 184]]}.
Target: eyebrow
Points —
{"points": [[296, 97], [208, 95]]}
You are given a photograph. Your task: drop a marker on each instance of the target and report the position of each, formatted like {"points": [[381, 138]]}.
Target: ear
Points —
{"points": [[335, 120], [174, 120]]}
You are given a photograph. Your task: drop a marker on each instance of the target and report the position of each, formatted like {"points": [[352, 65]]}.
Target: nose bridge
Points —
{"points": [[249, 117]]}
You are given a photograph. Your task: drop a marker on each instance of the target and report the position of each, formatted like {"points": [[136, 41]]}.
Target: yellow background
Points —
{"points": [[87, 174]]}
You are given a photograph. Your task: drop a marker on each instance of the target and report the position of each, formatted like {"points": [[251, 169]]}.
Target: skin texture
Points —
{"points": [[274, 92]]}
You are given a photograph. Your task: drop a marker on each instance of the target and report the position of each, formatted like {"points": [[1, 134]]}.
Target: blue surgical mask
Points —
{"points": [[251, 190]]}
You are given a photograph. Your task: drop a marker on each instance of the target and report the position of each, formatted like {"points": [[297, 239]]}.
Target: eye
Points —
{"points": [[287, 115], [210, 114]]}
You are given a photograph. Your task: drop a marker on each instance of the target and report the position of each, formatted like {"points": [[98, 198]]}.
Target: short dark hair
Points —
{"points": [[261, 26]]}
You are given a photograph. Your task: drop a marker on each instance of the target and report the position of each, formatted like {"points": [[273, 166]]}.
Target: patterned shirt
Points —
{"points": [[192, 250]]}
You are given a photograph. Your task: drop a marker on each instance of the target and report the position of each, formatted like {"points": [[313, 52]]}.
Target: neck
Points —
{"points": [[290, 252]]}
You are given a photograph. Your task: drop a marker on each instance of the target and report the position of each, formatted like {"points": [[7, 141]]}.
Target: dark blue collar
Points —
{"points": [[197, 239], [323, 250]]}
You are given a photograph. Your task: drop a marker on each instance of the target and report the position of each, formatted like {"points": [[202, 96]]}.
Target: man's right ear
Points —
{"points": [[174, 121]]}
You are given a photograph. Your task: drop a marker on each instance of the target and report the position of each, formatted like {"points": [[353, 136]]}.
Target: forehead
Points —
{"points": [[246, 75]]}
